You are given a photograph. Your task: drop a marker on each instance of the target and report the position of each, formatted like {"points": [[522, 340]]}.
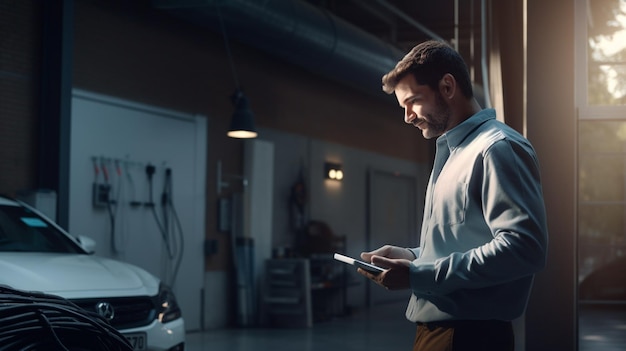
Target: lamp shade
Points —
{"points": [[242, 122]]}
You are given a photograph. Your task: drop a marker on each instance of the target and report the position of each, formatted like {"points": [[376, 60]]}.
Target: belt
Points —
{"points": [[491, 323]]}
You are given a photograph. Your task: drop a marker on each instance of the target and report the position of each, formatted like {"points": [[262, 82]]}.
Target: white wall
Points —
{"points": [[259, 170], [111, 131], [342, 205], [349, 197]]}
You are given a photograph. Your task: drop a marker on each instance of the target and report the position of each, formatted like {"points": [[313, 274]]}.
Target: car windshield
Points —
{"points": [[24, 231]]}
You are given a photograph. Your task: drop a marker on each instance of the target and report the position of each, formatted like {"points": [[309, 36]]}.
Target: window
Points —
{"points": [[601, 194], [23, 231], [601, 86], [606, 52], [601, 104]]}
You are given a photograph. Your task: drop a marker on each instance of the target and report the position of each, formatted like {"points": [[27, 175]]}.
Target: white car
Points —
{"points": [[38, 255]]}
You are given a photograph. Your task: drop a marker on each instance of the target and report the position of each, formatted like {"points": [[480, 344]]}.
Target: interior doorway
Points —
{"points": [[392, 219]]}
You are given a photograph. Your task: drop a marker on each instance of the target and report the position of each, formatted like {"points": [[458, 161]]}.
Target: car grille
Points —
{"points": [[129, 312]]}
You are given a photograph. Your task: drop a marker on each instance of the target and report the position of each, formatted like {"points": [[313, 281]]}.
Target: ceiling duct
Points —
{"points": [[297, 32]]}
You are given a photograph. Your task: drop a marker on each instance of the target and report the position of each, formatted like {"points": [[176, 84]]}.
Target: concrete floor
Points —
{"points": [[384, 328], [375, 329], [602, 328]]}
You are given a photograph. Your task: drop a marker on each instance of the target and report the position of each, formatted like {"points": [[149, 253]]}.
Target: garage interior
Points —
{"points": [[147, 88]]}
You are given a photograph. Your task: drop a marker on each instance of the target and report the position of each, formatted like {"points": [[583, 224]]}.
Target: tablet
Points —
{"points": [[358, 263]]}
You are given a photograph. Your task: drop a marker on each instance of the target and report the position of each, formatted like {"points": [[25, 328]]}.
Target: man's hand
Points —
{"points": [[388, 251], [397, 262]]}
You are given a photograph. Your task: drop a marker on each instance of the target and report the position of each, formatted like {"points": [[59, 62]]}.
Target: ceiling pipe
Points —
{"points": [[388, 20], [410, 20], [300, 33]]}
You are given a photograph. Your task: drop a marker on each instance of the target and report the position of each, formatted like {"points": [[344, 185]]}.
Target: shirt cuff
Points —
{"points": [[415, 251], [422, 278]]}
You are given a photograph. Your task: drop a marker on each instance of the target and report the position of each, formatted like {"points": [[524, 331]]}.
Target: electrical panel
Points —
{"points": [[101, 194]]}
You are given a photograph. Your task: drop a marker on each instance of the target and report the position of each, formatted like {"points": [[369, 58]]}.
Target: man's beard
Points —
{"points": [[439, 119]]}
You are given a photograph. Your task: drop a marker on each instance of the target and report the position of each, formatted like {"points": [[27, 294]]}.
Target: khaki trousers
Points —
{"points": [[464, 336]]}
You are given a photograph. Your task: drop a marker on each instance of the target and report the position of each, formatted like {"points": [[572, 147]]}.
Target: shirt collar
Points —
{"points": [[456, 135]]}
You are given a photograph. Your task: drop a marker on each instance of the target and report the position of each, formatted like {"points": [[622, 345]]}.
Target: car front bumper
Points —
{"points": [[158, 336]]}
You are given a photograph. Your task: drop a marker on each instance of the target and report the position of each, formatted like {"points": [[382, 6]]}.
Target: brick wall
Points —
{"points": [[19, 64]]}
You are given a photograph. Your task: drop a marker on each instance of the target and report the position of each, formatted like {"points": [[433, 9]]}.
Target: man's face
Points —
{"points": [[424, 107]]}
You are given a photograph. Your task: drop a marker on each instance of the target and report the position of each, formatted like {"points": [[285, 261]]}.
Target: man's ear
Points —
{"points": [[447, 86]]}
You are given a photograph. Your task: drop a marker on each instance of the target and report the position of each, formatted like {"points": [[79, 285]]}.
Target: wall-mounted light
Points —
{"points": [[333, 171]]}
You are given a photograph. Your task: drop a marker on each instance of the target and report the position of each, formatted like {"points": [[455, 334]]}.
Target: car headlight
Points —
{"points": [[167, 307]]}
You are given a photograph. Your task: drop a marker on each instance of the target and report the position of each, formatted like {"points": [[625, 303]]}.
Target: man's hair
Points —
{"points": [[428, 62]]}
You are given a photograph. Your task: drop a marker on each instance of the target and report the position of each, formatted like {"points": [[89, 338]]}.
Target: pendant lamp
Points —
{"points": [[242, 121]]}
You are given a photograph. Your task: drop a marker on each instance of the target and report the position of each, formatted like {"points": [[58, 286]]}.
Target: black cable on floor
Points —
{"points": [[33, 321]]}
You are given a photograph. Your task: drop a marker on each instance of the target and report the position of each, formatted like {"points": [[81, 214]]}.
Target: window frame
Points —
{"points": [[584, 110]]}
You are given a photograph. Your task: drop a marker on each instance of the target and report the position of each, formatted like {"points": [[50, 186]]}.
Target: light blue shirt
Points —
{"points": [[484, 232]]}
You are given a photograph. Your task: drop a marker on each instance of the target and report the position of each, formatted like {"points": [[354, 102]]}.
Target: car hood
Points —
{"points": [[74, 275]]}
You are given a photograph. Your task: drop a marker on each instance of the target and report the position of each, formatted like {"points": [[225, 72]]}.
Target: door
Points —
{"points": [[392, 220]]}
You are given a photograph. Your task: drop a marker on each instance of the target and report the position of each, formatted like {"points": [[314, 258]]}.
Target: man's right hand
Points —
{"points": [[388, 251], [396, 260]]}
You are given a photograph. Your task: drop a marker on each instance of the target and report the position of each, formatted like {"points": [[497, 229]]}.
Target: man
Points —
{"points": [[484, 232]]}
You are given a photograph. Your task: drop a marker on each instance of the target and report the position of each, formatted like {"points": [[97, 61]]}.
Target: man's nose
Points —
{"points": [[409, 115]]}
